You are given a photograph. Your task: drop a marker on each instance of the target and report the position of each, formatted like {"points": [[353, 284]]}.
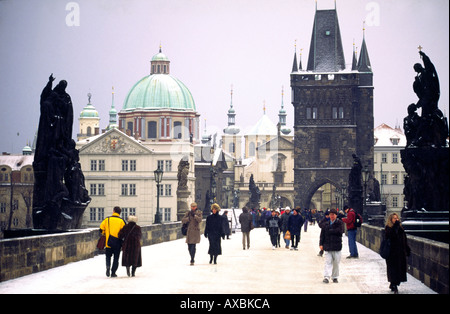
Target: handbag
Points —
{"points": [[287, 236], [101, 242], [385, 248], [184, 228]]}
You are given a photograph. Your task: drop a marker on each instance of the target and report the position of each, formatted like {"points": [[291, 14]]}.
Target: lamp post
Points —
{"points": [[365, 174], [158, 178]]}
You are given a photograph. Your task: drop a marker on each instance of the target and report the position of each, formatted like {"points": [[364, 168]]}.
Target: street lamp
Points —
{"points": [[158, 178], [365, 174]]}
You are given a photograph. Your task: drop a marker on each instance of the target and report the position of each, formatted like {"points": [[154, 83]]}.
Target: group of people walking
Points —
{"points": [[126, 237]]}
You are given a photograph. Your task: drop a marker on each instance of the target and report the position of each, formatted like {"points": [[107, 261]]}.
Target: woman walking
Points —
{"points": [[131, 247], [214, 231], [396, 262]]}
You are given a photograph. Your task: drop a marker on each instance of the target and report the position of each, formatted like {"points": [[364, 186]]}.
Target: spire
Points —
{"points": [[354, 61], [231, 128], [300, 67], [112, 113], [364, 61], [326, 53], [294, 66], [282, 116]]}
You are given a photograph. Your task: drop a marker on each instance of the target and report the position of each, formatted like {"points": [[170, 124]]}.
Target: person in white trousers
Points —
{"points": [[331, 243]]}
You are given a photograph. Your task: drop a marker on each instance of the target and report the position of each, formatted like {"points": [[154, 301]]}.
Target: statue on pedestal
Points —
{"points": [[60, 196]]}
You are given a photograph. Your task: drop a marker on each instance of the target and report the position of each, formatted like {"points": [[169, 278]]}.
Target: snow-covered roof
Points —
{"points": [[388, 136]]}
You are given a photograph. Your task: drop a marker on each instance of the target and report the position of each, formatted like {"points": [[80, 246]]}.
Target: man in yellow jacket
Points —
{"points": [[110, 227]]}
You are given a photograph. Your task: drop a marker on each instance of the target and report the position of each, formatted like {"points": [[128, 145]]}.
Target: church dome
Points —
{"points": [[159, 90], [89, 111]]}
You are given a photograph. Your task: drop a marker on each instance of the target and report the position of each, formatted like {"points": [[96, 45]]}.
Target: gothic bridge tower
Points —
{"points": [[333, 108]]}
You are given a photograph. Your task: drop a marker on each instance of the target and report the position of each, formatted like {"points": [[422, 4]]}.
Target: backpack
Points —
{"points": [[358, 220]]}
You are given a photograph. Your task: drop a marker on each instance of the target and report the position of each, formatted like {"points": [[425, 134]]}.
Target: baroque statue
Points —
{"points": [[59, 196]]}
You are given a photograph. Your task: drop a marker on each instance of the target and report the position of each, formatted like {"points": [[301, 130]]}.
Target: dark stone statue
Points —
{"points": [[426, 157], [255, 193], [60, 196], [355, 187], [183, 172]]}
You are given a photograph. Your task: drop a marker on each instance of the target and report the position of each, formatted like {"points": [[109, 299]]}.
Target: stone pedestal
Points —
{"points": [[182, 203], [375, 214], [426, 192]]}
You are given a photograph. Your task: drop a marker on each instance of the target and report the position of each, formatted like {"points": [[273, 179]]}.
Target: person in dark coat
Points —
{"points": [[273, 226], [214, 231], [331, 243], [131, 247], [226, 224], [245, 219], [295, 223], [396, 263]]}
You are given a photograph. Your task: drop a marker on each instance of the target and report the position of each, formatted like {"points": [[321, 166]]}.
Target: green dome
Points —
{"points": [[157, 92], [89, 112], [160, 57]]}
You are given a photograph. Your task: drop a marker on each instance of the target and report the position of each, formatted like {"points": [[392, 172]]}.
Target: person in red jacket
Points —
{"points": [[351, 231]]}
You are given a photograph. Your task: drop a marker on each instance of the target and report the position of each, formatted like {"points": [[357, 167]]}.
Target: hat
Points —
{"points": [[287, 208], [132, 219], [333, 211]]}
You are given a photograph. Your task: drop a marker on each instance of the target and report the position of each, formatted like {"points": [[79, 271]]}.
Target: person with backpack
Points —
{"points": [[351, 224], [110, 227]]}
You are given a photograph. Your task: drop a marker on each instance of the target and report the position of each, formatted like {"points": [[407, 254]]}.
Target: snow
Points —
{"points": [[166, 270]]}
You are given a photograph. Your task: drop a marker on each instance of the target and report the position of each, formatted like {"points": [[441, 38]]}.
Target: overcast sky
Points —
{"points": [[212, 44]]}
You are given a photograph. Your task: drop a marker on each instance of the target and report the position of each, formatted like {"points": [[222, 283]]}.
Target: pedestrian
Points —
{"points": [[331, 243], [110, 227], [245, 219], [193, 218], [131, 248], [396, 263], [295, 223], [284, 225], [323, 223], [214, 231], [273, 226], [226, 224], [351, 231]]}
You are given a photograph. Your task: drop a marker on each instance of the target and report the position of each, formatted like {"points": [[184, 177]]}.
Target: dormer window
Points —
{"points": [[395, 140]]}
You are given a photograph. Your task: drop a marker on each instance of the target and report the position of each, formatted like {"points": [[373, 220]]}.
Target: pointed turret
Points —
{"points": [[231, 129], [364, 61], [112, 114], [354, 61], [282, 116]]}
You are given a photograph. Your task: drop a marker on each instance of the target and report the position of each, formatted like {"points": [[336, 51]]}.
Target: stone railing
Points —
{"points": [[27, 255], [428, 261]]}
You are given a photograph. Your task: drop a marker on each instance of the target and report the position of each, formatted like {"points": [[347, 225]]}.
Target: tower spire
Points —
{"points": [[294, 65], [364, 60]]}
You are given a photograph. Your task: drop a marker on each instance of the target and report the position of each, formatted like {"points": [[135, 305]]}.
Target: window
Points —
{"points": [[324, 154], [168, 165], [161, 164], [101, 189], [383, 158], [124, 165], [177, 130], [166, 214], [394, 201], [93, 189], [93, 165], [151, 129], [251, 149], [132, 189], [96, 214], [395, 180], [168, 189], [384, 179], [132, 165], [394, 158], [124, 190], [335, 113], [101, 165], [341, 112], [314, 113]]}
